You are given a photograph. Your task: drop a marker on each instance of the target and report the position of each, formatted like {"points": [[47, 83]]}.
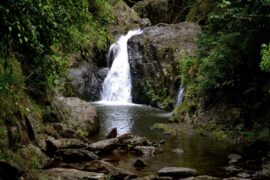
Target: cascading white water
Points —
{"points": [[117, 84], [180, 95]]}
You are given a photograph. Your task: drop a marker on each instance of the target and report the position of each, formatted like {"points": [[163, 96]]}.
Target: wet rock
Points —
{"points": [[127, 141], [257, 175], [104, 167], [177, 172], [234, 158], [235, 178], [112, 134], [77, 114], [139, 163], [105, 145], [71, 174], [243, 175], [147, 150], [157, 144], [75, 155], [84, 80], [266, 170], [11, 170], [134, 140], [150, 177], [102, 73], [233, 169], [154, 57], [165, 178], [178, 151], [203, 177]]}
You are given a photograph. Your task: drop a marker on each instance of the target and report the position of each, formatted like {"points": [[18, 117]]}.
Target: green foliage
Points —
{"points": [[157, 94], [200, 11], [232, 66], [265, 62], [37, 39], [42, 34]]}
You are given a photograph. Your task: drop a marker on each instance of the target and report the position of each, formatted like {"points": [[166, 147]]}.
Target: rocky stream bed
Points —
{"points": [[66, 152]]}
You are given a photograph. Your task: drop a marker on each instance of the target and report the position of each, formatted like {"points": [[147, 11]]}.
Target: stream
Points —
{"points": [[205, 155]]}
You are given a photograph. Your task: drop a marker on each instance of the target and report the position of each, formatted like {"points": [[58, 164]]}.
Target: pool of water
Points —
{"points": [[206, 155]]}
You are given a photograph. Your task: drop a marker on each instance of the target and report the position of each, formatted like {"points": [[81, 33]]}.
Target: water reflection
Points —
{"points": [[119, 117], [127, 118], [203, 154]]}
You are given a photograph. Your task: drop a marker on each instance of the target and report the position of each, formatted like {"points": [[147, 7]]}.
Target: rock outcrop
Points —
{"points": [[154, 58], [162, 11], [77, 114], [85, 78]]}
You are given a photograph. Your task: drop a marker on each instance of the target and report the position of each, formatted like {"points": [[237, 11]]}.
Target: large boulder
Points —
{"points": [[154, 58], [77, 114]]}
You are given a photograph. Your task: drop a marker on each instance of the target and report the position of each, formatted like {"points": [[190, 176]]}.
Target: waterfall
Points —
{"points": [[117, 84], [180, 95]]}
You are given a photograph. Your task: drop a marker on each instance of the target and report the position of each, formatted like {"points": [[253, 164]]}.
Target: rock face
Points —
{"points": [[125, 19], [162, 11], [86, 79], [156, 10], [77, 114], [154, 58]]}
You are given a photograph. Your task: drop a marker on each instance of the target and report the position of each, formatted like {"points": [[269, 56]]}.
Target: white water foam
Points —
{"points": [[116, 88]]}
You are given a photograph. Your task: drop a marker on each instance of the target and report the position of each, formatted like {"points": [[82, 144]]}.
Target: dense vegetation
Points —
{"points": [[37, 40], [228, 81]]}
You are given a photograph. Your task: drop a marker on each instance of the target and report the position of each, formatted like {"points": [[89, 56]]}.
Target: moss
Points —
{"points": [[158, 94], [165, 128], [200, 10]]}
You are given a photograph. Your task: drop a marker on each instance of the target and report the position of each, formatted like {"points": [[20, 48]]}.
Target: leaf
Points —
{"points": [[10, 28]]}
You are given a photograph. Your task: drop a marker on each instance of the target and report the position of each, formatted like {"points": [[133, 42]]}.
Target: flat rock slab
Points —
{"points": [[177, 172], [105, 145], [203, 177], [71, 174], [103, 167], [236, 178], [234, 158], [68, 143], [76, 155]]}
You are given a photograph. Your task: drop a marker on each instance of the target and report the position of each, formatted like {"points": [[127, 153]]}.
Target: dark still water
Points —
{"points": [[204, 154]]}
